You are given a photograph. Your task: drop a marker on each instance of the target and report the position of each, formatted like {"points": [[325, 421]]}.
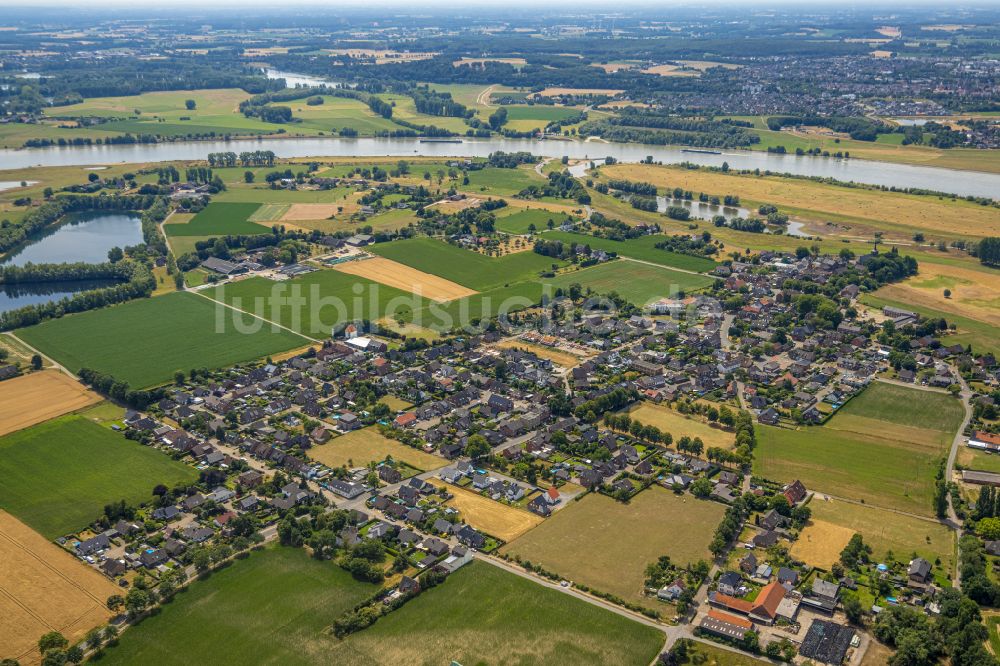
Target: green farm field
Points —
{"points": [[530, 117], [484, 615], [519, 221], [58, 475], [883, 472], [940, 413], [337, 113], [220, 219], [294, 600], [314, 303], [606, 544], [467, 268], [145, 342], [481, 614], [261, 194], [484, 305], [637, 283], [503, 182], [872, 450], [642, 248]]}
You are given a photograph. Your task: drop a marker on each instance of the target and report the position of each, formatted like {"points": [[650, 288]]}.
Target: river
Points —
{"points": [[963, 183]]}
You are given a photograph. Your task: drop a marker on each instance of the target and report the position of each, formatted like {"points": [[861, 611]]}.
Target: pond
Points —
{"points": [[706, 211], [11, 184], [83, 237], [13, 296], [293, 80]]}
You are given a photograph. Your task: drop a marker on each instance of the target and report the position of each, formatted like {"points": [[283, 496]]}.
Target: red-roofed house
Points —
{"points": [[405, 419], [552, 495]]}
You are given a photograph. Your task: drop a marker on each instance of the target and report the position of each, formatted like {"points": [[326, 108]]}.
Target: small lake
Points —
{"points": [[706, 211], [293, 80], [83, 237], [11, 184], [13, 296], [701, 209]]}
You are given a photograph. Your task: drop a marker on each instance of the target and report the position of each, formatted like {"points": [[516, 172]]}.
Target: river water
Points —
{"points": [[963, 183]]}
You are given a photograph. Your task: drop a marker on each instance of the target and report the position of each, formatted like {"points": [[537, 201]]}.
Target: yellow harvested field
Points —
{"points": [[40, 396], [483, 61], [552, 92], [309, 211], [945, 27], [358, 448], [264, 51], [702, 65], [496, 519], [607, 544], [447, 206], [383, 56], [881, 54], [557, 356], [669, 70], [820, 543], [43, 589], [612, 67], [680, 425], [401, 276], [888, 531], [974, 293], [827, 202]]}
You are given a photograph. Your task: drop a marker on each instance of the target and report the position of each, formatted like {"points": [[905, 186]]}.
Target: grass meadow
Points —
{"points": [[358, 448], [607, 545], [311, 301], [294, 600], [882, 448], [520, 221], [144, 342], [58, 475], [637, 283], [681, 425], [884, 531], [467, 268], [642, 248], [485, 615], [890, 211], [502, 182], [481, 614], [969, 331], [220, 219]]}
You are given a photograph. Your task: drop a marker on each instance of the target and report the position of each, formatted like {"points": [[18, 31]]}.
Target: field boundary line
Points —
{"points": [[883, 508], [51, 360], [256, 316], [666, 268]]}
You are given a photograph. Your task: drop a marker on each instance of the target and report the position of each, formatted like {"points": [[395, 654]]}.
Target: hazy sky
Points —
{"points": [[599, 6]]}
